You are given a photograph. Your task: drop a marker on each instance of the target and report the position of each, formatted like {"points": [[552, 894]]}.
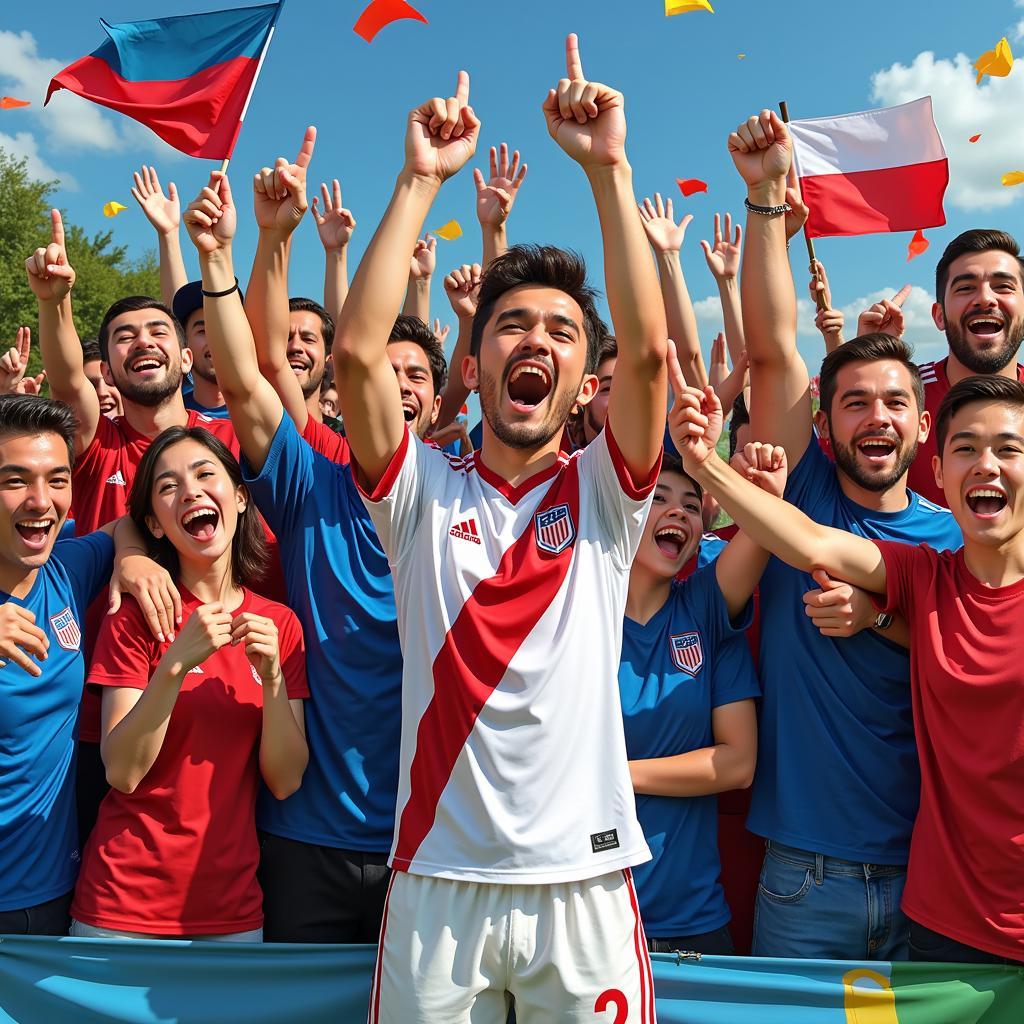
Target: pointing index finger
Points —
{"points": [[462, 88], [902, 295], [57, 223], [573, 61], [306, 151]]}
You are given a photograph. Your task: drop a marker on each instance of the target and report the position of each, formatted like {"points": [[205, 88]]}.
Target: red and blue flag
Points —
{"points": [[187, 78]]}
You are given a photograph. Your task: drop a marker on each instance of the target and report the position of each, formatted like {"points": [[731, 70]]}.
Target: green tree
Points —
{"points": [[105, 271]]}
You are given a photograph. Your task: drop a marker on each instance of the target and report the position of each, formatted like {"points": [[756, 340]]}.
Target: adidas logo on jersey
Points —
{"points": [[197, 671], [466, 530], [117, 478]]}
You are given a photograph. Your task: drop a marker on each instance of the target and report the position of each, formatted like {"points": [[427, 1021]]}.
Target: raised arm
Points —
{"points": [[279, 201], [588, 121], [780, 411], [495, 198], [164, 213], [829, 321], [461, 286], [441, 136], [51, 278], [254, 406], [334, 226], [421, 273], [723, 260]]}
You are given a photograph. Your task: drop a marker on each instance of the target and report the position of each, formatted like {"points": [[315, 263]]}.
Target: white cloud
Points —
{"points": [[963, 109], [23, 145]]}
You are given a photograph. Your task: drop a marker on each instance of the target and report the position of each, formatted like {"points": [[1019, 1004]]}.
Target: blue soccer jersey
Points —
{"points": [[219, 412], [339, 586], [39, 854], [674, 671], [837, 769]]}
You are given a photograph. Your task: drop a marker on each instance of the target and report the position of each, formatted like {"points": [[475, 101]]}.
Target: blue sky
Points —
{"points": [[685, 90]]}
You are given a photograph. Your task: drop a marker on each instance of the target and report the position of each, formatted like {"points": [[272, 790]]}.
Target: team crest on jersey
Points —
{"points": [[687, 652], [555, 529], [69, 636]]}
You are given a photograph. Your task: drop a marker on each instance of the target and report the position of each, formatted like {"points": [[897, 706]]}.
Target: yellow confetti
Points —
{"points": [[685, 6], [112, 209], [1013, 178], [996, 63], [450, 231], [740, 56]]}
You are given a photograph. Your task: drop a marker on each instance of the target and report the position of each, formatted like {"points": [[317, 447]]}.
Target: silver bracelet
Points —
{"points": [[767, 211]]}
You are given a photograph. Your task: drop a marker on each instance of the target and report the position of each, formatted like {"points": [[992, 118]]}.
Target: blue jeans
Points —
{"points": [[815, 907]]}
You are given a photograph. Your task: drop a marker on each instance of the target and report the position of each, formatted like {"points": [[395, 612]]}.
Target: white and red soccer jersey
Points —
{"points": [[510, 602]]}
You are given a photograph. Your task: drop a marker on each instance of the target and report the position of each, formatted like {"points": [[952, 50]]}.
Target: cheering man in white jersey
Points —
{"points": [[511, 568]]}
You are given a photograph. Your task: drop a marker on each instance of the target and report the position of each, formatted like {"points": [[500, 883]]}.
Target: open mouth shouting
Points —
{"points": [[146, 362], [985, 325], [671, 541], [36, 532], [528, 384], [410, 410], [201, 522], [877, 448], [986, 502]]}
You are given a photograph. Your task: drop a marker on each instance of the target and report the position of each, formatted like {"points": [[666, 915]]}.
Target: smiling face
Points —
{"points": [[145, 361], [194, 504], [110, 398], [982, 311], [420, 405], [195, 339], [306, 350], [874, 423], [35, 495], [981, 471], [530, 368], [673, 529], [595, 414]]}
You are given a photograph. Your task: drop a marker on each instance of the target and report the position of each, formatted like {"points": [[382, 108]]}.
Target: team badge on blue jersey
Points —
{"points": [[555, 529], [69, 636], [687, 652]]}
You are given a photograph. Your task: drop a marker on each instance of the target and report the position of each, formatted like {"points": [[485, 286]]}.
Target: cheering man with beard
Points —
{"points": [[511, 568], [979, 292], [836, 787]]}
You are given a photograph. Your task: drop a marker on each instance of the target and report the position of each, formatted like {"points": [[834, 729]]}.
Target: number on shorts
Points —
{"points": [[613, 997]]}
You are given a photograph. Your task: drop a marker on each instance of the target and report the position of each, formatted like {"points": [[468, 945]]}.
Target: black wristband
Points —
{"points": [[220, 295], [767, 211]]}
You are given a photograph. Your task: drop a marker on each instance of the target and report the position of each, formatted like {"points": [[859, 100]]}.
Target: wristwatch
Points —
{"points": [[884, 620]]}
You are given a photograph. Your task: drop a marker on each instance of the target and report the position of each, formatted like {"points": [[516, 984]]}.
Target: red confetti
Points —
{"points": [[383, 12], [688, 186], [9, 103], [917, 245], [974, 138]]}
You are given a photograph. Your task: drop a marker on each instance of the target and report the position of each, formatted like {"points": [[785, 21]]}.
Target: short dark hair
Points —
{"points": [[90, 350], [132, 304], [608, 349], [740, 417], [868, 348], [249, 558], [672, 463], [989, 388], [300, 304], [975, 240], [413, 329], [27, 415], [548, 267]]}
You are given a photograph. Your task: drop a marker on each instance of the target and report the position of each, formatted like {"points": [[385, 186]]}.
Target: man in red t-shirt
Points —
{"points": [[979, 291], [965, 882]]}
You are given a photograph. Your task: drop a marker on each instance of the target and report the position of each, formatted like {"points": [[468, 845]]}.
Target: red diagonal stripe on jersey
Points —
{"points": [[492, 625], [472, 527]]}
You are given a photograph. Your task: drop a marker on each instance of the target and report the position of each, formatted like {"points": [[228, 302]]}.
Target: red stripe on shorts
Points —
{"points": [[373, 1014], [642, 956]]}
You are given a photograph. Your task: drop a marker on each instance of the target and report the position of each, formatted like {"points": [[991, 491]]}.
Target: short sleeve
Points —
{"points": [[285, 480], [813, 481], [292, 648], [621, 502], [126, 652], [88, 561], [902, 563]]}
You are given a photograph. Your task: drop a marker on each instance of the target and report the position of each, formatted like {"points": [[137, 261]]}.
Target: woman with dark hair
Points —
{"points": [[192, 723]]}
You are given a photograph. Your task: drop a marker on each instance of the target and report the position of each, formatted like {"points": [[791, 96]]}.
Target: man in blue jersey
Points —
{"points": [[836, 788], [324, 849], [44, 592]]}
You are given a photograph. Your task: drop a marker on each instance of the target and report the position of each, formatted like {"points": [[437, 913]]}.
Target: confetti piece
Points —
{"points": [[974, 138], [1012, 178], [995, 63], [685, 6], [450, 231], [917, 245], [9, 103], [740, 56], [688, 186], [381, 13], [112, 209]]}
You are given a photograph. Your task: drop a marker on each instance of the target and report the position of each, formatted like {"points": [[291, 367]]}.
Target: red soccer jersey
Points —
{"points": [[326, 442], [922, 477], [179, 855], [966, 874]]}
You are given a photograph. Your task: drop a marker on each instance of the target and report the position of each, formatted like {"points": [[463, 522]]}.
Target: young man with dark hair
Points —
{"points": [[203, 395], [516, 821], [979, 304], [109, 396], [966, 873], [835, 793]]}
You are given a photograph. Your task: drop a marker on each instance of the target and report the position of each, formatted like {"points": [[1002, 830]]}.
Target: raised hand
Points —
{"points": [[761, 149], [723, 258], [886, 316], [695, 418], [162, 211], [659, 221], [718, 365], [495, 197], [14, 363], [441, 135], [21, 639], [208, 629], [211, 217], [441, 331], [424, 258], [462, 286], [799, 211], [259, 638], [336, 224], [586, 119], [279, 192], [50, 276], [763, 465]]}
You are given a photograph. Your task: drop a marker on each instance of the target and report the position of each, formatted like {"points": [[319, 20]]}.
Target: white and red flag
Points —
{"points": [[879, 170]]}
